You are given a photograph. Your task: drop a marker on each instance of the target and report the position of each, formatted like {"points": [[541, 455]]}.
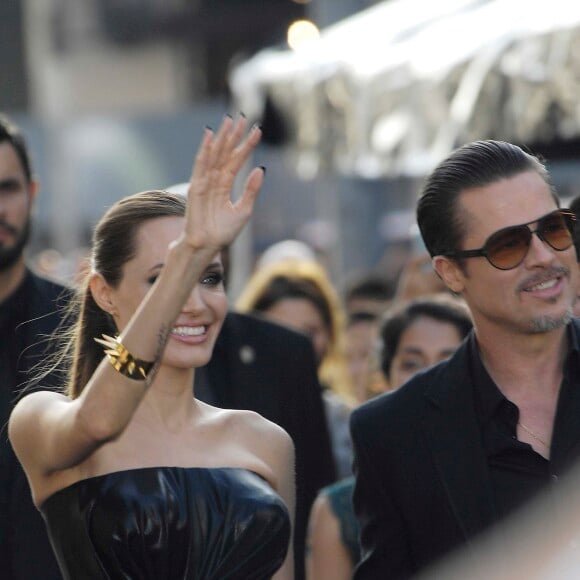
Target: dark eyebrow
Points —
{"points": [[212, 266], [412, 350], [9, 183]]}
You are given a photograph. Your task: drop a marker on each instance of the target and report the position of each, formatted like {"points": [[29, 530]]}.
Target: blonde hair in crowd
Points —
{"points": [[269, 284]]}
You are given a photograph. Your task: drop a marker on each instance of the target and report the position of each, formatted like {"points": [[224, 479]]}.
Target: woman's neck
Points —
{"points": [[170, 400]]}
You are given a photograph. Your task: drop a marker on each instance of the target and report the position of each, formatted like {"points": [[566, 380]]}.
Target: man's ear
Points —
{"points": [[33, 188], [101, 292], [450, 272]]}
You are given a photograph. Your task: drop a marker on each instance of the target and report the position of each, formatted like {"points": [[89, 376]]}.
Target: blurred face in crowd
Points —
{"points": [[16, 199], [425, 342], [361, 344], [374, 306], [301, 314]]}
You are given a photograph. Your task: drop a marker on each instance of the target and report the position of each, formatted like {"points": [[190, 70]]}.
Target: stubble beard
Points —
{"points": [[548, 323], [12, 254]]}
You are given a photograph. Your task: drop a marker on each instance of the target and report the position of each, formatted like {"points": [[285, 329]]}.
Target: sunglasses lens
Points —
{"points": [[556, 230], [507, 248]]}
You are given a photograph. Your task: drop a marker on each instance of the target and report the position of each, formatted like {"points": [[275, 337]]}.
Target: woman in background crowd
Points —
{"points": [[366, 299], [362, 333], [298, 293], [414, 335]]}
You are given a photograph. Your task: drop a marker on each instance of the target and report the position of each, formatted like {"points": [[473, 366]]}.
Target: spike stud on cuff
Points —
{"points": [[123, 361]]}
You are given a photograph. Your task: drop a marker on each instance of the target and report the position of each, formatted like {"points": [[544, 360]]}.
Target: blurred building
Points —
{"points": [[107, 53], [113, 95], [156, 54]]}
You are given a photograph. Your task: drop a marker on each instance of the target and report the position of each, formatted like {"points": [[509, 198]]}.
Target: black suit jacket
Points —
{"points": [[29, 316], [264, 367], [422, 482]]}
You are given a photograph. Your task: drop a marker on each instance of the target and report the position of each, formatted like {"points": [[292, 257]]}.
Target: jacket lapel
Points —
{"points": [[234, 378], [566, 435], [453, 436]]}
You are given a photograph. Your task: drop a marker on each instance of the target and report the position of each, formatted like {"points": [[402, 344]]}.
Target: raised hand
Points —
{"points": [[213, 220]]}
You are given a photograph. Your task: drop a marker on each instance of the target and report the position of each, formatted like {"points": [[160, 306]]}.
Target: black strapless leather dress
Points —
{"points": [[163, 523]]}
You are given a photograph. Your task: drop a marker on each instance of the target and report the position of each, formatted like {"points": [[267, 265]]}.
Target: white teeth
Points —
{"points": [[188, 330], [544, 285]]}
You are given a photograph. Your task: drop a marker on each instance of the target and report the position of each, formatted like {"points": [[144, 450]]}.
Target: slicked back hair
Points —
{"points": [[10, 133], [476, 164]]}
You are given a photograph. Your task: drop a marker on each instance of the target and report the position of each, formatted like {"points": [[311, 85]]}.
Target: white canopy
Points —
{"points": [[394, 88]]}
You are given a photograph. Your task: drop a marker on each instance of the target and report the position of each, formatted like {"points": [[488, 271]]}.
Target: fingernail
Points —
{"points": [[208, 128], [256, 126], [242, 114], [263, 168], [228, 115]]}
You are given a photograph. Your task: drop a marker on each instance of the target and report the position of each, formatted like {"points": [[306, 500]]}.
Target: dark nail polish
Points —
{"points": [[263, 168]]}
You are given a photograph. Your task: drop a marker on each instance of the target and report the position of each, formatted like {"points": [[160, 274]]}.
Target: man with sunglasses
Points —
{"points": [[468, 442]]}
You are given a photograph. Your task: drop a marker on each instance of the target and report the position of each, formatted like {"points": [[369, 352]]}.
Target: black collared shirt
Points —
{"points": [[517, 473]]}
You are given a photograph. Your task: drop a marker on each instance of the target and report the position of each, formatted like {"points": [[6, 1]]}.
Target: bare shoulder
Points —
{"points": [[255, 442], [34, 404], [254, 425], [323, 522], [266, 440], [25, 425], [243, 422]]}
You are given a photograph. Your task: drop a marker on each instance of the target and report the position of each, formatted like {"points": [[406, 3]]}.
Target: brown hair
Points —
{"points": [[113, 246], [440, 307], [10, 133]]}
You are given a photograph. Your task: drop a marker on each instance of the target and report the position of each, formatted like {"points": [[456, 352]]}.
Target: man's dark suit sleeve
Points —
{"points": [[384, 549]]}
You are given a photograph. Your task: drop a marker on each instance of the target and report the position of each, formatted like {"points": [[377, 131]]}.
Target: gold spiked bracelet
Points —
{"points": [[123, 361]]}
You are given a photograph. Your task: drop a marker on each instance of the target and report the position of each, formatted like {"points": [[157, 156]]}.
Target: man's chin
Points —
{"points": [[9, 257], [543, 324]]}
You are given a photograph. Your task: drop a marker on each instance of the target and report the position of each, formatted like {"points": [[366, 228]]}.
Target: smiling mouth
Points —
{"points": [[189, 330], [545, 281], [543, 285]]}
